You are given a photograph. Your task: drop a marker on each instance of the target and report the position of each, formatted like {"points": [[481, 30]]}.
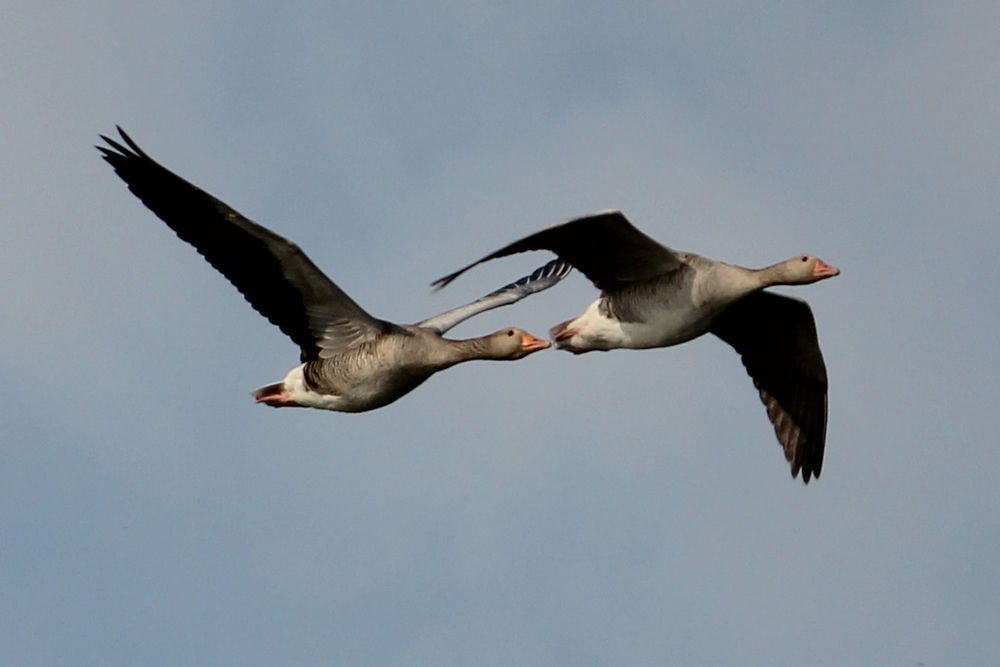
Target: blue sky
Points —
{"points": [[619, 508]]}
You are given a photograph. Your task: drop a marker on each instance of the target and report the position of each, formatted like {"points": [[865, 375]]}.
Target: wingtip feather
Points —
{"points": [[441, 283]]}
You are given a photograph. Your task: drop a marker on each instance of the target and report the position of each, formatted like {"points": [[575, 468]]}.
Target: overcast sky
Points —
{"points": [[619, 508]]}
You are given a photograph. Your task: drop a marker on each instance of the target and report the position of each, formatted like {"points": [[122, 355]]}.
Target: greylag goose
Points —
{"points": [[351, 361], [652, 296]]}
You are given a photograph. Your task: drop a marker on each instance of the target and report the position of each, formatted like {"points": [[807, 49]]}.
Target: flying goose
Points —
{"points": [[652, 296], [351, 361]]}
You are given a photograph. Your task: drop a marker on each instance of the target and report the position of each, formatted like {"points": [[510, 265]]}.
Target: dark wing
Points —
{"points": [[604, 246], [272, 273], [776, 337], [540, 279]]}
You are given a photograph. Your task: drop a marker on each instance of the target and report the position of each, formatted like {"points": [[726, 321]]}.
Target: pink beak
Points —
{"points": [[824, 270], [531, 344]]}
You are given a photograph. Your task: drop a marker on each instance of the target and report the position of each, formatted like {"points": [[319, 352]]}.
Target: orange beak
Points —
{"points": [[824, 270], [531, 344]]}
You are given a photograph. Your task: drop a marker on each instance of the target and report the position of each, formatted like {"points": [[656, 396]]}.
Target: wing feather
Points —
{"points": [[271, 272], [540, 279], [776, 337], [603, 246]]}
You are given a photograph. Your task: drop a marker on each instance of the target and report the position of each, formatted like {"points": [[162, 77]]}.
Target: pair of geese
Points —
{"points": [[651, 296]]}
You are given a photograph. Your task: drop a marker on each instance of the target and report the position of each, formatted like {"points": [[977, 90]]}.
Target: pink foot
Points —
{"points": [[277, 400], [563, 334]]}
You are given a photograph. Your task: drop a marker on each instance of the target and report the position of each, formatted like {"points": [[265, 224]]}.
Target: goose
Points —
{"points": [[351, 361], [652, 296]]}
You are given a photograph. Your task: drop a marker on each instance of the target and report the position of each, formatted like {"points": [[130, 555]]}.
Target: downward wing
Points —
{"points": [[541, 279], [776, 337], [604, 246], [272, 273]]}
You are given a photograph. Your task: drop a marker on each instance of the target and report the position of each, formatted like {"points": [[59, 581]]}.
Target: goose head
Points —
{"points": [[513, 344], [802, 270]]}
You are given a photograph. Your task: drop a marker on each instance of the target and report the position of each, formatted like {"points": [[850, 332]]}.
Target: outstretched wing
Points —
{"points": [[272, 273], [776, 337], [604, 246], [541, 279]]}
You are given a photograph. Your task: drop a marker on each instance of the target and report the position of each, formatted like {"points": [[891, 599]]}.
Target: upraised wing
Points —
{"points": [[603, 246], [541, 279], [272, 273]]}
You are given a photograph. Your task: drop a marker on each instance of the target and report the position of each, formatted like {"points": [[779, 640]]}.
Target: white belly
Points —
{"points": [[667, 327], [660, 325]]}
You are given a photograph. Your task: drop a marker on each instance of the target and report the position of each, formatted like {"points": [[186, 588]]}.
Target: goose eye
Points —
{"points": [[805, 258], [510, 332]]}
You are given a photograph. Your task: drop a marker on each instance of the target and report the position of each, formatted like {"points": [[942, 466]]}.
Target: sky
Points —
{"points": [[629, 507]]}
